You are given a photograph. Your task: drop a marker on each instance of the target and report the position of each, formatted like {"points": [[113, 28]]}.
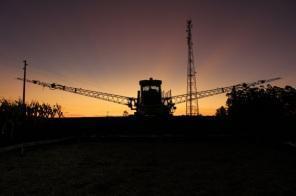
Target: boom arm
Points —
{"points": [[129, 101], [202, 94]]}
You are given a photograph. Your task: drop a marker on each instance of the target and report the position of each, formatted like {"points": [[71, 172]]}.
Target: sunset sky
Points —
{"points": [[110, 45]]}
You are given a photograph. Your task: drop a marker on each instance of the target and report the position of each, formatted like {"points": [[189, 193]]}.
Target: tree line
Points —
{"points": [[14, 113], [266, 108]]}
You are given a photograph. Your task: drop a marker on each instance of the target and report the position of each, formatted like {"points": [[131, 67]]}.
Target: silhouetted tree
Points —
{"points": [[125, 113], [12, 115], [267, 109], [221, 113]]}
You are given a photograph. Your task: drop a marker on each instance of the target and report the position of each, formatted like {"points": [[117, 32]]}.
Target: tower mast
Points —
{"points": [[191, 104]]}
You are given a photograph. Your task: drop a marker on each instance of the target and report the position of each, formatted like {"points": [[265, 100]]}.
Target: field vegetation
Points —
{"points": [[13, 115]]}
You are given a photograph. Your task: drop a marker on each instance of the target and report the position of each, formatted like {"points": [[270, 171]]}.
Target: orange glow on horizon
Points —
{"points": [[79, 106]]}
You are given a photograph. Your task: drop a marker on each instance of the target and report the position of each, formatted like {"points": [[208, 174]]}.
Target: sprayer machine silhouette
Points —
{"points": [[151, 100]]}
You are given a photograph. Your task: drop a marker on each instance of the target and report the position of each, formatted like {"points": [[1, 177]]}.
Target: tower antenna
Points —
{"points": [[191, 104]]}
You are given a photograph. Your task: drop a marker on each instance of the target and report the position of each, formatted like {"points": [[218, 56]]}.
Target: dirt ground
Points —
{"points": [[149, 168]]}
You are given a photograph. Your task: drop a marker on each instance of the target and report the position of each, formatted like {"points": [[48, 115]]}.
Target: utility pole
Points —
{"points": [[24, 83], [24, 88], [24, 103], [191, 104]]}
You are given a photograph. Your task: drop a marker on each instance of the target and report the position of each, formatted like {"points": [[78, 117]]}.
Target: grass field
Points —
{"points": [[149, 168]]}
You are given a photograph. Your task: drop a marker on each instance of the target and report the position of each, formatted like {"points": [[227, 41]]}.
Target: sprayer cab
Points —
{"points": [[150, 101]]}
